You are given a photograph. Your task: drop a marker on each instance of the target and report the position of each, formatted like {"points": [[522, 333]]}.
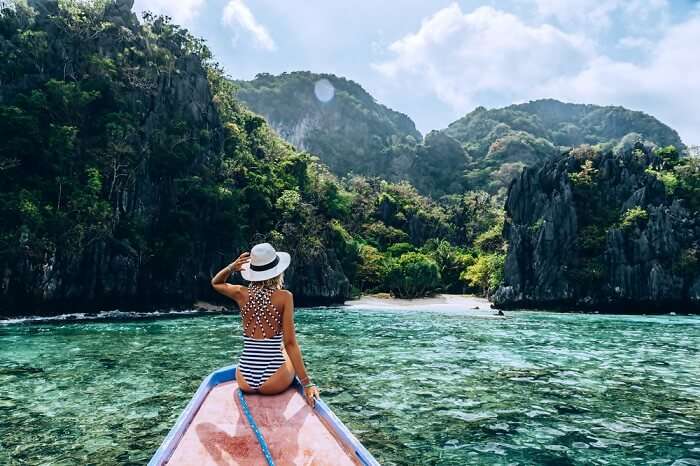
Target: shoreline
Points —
{"points": [[455, 303], [460, 302], [449, 302]]}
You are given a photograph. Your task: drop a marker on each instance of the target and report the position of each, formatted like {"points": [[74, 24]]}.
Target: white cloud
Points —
{"points": [[489, 57], [594, 13], [635, 42], [600, 15], [463, 57], [237, 14], [182, 11], [667, 85]]}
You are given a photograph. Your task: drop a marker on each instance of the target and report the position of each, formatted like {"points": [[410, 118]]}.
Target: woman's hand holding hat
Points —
{"points": [[237, 265]]}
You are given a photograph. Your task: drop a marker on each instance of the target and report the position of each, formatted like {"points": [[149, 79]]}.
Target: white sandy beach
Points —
{"points": [[440, 302]]}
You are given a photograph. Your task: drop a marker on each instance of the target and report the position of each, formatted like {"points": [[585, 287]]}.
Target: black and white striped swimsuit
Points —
{"points": [[261, 357]]}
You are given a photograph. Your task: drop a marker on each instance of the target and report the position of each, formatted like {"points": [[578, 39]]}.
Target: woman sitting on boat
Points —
{"points": [[271, 355]]}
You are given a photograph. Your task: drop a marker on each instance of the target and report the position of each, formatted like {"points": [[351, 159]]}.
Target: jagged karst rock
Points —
{"points": [[568, 247], [112, 272], [319, 279]]}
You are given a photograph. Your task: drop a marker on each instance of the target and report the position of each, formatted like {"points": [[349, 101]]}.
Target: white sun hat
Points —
{"points": [[265, 263]]}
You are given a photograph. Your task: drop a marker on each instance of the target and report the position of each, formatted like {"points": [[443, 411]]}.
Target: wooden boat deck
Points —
{"points": [[220, 435]]}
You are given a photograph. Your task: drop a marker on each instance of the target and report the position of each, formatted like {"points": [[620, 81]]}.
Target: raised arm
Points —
{"points": [[220, 279], [293, 350]]}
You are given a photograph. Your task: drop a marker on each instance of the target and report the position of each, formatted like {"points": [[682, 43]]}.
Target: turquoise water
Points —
{"points": [[416, 387]]}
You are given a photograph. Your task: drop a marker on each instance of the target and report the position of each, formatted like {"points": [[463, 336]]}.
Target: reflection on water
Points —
{"points": [[415, 387]]}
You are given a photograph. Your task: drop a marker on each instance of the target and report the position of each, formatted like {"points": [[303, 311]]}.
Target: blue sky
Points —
{"points": [[437, 60]]}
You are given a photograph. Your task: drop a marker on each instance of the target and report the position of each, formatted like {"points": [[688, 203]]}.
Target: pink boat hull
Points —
{"points": [[213, 430]]}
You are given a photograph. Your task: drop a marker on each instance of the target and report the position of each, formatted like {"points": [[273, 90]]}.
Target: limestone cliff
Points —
{"points": [[122, 182], [616, 231]]}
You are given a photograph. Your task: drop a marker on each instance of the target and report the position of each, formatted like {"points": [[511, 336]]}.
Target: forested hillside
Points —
{"points": [[502, 141], [484, 150], [128, 172], [129, 175], [332, 117], [352, 133]]}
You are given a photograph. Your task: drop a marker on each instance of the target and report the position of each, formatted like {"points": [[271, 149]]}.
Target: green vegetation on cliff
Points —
{"points": [[129, 173], [350, 132], [353, 134], [609, 229], [502, 141], [484, 150]]}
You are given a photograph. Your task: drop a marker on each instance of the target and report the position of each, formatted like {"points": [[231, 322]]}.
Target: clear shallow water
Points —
{"points": [[415, 387]]}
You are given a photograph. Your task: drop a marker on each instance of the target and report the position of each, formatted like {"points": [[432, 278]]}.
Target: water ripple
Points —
{"points": [[415, 387]]}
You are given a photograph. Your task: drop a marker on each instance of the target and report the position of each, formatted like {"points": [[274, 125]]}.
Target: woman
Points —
{"points": [[267, 312]]}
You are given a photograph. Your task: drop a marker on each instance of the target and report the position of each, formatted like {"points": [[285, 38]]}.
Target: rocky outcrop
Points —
{"points": [[601, 231], [169, 103], [319, 280]]}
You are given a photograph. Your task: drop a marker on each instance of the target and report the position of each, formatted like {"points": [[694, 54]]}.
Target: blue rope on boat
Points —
{"points": [[256, 430]]}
